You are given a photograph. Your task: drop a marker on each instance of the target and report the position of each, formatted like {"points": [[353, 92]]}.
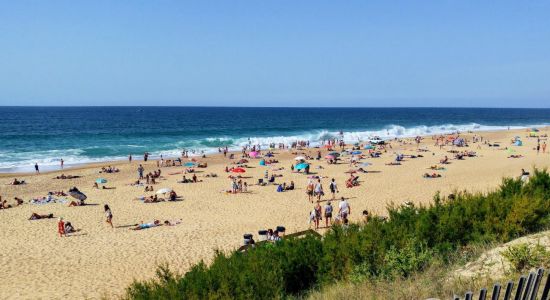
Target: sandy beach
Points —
{"points": [[100, 261]]}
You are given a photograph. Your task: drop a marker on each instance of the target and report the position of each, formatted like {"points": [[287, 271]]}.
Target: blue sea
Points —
{"points": [[92, 134]]}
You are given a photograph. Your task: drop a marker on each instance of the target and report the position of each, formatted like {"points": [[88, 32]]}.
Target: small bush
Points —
{"points": [[524, 257]]}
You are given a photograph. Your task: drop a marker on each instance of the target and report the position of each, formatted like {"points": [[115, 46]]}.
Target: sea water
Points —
{"points": [[78, 135]]}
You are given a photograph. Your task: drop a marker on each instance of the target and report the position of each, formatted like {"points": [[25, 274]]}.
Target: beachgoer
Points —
{"points": [[36, 168], [333, 188], [318, 189], [35, 216], [318, 215], [61, 227], [344, 209], [62, 163], [108, 215], [140, 172], [328, 214]]}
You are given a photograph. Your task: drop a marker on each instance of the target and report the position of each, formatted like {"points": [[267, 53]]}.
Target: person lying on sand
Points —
{"points": [[393, 164], [19, 201], [63, 176], [436, 167], [433, 175], [36, 216], [515, 156], [155, 223], [77, 203], [153, 199], [444, 160]]}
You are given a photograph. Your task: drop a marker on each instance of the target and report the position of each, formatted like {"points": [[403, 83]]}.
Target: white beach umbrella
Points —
{"points": [[299, 158], [164, 191]]}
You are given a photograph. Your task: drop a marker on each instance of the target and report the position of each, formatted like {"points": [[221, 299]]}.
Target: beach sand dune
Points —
{"points": [[100, 261]]}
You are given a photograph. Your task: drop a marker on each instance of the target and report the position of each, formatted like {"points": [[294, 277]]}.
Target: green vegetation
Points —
{"points": [[408, 243], [524, 257]]}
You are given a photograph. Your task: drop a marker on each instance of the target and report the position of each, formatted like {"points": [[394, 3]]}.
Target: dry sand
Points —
{"points": [[100, 261]]}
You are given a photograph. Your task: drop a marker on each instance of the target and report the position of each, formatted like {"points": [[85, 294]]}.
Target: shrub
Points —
{"points": [[524, 257]]}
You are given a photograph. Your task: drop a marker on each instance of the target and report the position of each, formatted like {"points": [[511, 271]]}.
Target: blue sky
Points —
{"points": [[270, 53]]}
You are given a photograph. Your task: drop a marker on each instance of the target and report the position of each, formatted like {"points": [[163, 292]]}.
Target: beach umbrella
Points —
{"points": [[330, 157], [238, 170], [189, 164], [78, 195], [301, 166], [366, 164], [101, 180], [253, 154], [356, 152], [334, 153], [369, 147], [164, 191], [299, 158]]}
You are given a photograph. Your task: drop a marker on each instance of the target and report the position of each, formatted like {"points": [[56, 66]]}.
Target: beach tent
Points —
{"points": [[301, 166], [238, 170], [164, 191], [101, 180], [77, 195]]}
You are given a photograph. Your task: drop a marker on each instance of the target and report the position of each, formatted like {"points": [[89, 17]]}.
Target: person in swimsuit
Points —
{"points": [[108, 215], [61, 227], [333, 188], [318, 217]]}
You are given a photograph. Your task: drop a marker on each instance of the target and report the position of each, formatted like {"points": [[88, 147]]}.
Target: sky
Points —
{"points": [[275, 53]]}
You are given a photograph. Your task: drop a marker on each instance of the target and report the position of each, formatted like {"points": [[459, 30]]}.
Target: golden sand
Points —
{"points": [[100, 261]]}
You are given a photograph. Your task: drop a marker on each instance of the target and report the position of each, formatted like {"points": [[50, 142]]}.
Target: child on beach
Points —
{"points": [[61, 227], [108, 215]]}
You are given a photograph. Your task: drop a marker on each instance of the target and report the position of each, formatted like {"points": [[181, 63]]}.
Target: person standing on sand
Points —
{"points": [[333, 188], [61, 227], [36, 168], [130, 158], [344, 208], [328, 214], [62, 163], [543, 147], [108, 215], [140, 171], [318, 190]]}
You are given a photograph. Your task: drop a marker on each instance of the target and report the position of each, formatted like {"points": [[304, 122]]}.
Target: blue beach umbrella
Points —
{"points": [[301, 166], [189, 164], [101, 180], [356, 152]]}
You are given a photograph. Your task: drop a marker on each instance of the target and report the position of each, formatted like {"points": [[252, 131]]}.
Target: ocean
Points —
{"points": [[81, 135]]}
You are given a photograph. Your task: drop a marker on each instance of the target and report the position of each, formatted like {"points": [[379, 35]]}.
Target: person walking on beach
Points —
{"points": [[328, 214], [108, 215], [318, 190], [140, 171], [36, 168], [130, 158], [62, 163], [543, 147], [344, 208], [333, 188], [61, 227]]}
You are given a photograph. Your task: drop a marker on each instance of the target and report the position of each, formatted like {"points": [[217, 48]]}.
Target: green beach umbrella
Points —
{"points": [[101, 180]]}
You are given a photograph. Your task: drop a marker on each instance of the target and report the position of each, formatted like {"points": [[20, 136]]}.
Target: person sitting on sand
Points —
{"points": [[4, 204], [290, 187], [19, 201], [17, 182], [444, 160], [95, 186], [35, 216], [69, 228], [173, 196]]}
